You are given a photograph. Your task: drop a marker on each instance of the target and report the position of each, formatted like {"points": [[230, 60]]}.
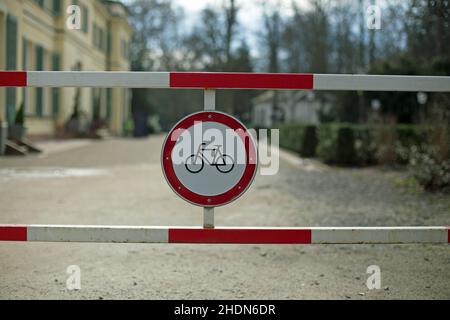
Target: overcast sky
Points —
{"points": [[249, 15], [250, 9]]}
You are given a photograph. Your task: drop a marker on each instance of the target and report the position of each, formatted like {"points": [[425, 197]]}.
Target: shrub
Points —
{"points": [[365, 144], [346, 144], [428, 169], [289, 136], [299, 138], [309, 142], [407, 136], [387, 144], [326, 149]]}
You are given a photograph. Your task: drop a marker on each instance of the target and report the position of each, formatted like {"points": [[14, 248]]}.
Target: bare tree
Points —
{"points": [[156, 35]]}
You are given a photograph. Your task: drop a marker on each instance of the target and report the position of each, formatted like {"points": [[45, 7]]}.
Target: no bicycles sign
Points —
{"points": [[209, 158]]}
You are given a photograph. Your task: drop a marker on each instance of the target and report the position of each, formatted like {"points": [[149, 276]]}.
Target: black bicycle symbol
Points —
{"points": [[196, 162]]}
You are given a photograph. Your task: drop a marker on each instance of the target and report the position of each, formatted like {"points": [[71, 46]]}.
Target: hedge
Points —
{"points": [[353, 144], [346, 144], [299, 138]]}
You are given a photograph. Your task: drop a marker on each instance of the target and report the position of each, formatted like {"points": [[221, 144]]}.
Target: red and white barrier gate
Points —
{"points": [[122, 234], [223, 80], [209, 234]]}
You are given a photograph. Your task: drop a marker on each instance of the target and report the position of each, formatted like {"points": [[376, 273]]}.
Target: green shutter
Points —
{"points": [[11, 64], [24, 67], [109, 105], [11, 43], [56, 7], [109, 44], [102, 40], [56, 62], [94, 34], [85, 17], [56, 66], [24, 54], [39, 91]]}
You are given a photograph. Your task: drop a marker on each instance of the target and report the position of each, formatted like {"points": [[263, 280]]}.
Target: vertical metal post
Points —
{"points": [[210, 100], [208, 218], [209, 105]]}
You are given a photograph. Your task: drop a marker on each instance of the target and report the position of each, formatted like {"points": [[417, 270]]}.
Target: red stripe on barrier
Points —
{"points": [[235, 80], [13, 79], [13, 233], [240, 236], [448, 235]]}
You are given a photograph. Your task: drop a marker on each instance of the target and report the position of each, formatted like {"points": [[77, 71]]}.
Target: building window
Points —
{"points": [[99, 37]]}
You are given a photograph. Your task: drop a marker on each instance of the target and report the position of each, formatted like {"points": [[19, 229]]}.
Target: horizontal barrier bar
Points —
{"points": [[223, 235], [224, 80], [340, 82]]}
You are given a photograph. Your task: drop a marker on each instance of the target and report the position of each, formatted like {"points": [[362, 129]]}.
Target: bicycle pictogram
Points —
{"points": [[196, 162]]}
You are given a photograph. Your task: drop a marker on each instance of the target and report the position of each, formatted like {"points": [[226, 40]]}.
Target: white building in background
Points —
{"points": [[293, 106]]}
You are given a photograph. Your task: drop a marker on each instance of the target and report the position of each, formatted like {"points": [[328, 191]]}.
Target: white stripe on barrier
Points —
{"points": [[98, 79], [71, 233], [380, 235], [381, 83]]}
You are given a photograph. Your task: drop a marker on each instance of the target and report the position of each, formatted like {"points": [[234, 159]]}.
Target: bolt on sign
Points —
{"points": [[209, 158]]}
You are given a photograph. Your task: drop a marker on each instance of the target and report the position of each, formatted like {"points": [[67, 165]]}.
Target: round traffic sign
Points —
{"points": [[209, 158]]}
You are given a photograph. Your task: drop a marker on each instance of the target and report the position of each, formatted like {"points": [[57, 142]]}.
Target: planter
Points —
{"points": [[17, 132], [3, 136]]}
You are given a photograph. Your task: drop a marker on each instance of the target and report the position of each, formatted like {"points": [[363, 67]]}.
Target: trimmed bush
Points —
{"points": [[299, 138], [326, 149], [309, 142], [365, 145], [411, 135], [346, 144]]}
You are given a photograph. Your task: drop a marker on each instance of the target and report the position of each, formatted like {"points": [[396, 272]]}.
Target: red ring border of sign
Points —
{"points": [[220, 199]]}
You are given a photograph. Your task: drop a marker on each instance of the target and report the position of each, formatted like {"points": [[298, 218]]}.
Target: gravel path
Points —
{"points": [[120, 182]]}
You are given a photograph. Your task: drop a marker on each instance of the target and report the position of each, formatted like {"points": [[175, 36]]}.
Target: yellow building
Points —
{"points": [[45, 35]]}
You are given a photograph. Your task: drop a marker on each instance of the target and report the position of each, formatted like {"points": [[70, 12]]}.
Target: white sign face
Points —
{"points": [[209, 158], [210, 168]]}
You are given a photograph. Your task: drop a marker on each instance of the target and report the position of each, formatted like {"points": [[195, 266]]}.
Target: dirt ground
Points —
{"points": [[119, 182]]}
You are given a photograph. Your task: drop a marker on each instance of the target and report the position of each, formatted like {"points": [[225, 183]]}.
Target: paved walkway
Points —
{"points": [[119, 182]]}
